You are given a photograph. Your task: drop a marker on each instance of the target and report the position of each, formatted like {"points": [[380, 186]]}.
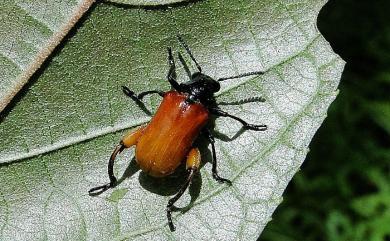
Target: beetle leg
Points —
{"points": [[211, 139], [127, 141], [219, 112], [172, 71], [140, 96], [192, 165]]}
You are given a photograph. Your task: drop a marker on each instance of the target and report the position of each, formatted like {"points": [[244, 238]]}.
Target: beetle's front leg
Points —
{"points": [[192, 165], [127, 141], [140, 96], [219, 112]]}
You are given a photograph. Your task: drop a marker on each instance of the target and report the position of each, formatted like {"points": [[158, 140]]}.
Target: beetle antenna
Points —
{"points": [[241, 75], [189, 52], [183, 62]]}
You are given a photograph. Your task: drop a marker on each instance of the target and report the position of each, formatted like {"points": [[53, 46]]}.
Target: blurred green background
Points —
{"points": [[343, 189]]}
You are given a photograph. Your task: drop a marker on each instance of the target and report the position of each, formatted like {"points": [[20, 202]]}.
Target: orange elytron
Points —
{"points": [[168, 138], [163, 144]]}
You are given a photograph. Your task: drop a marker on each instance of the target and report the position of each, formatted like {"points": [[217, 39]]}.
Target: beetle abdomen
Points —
{"points": [[169, 136]]}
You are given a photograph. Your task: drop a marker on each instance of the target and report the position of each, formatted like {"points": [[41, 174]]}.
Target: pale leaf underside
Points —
{"points": [[29, 31]]}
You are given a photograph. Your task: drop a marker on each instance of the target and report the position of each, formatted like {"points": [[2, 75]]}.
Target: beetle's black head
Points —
{"points": [[205, 82], [201, 88]]}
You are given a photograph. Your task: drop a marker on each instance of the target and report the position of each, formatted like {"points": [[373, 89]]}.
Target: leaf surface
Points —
{"points": [[149, 2], [29, 31], [60, 135]]}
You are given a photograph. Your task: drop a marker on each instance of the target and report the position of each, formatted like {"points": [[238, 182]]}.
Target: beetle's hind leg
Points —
{"points": [[126, 142], [140, 96], [192, 165], [113, 181], [214, 170]]}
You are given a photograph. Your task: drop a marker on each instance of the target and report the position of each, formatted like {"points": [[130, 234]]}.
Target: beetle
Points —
{"points": [[167, 140]]}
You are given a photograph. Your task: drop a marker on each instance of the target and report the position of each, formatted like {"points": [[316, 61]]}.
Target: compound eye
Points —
{"points": [[194, 75], [216, 86]]}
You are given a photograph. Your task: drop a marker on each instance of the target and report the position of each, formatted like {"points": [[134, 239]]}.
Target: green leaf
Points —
{"points": [[58, 137], [148, 2], [380, 112], [29, 31]]}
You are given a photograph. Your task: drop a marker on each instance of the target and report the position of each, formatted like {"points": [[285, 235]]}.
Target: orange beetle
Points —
{"points": [[164, 143]]}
